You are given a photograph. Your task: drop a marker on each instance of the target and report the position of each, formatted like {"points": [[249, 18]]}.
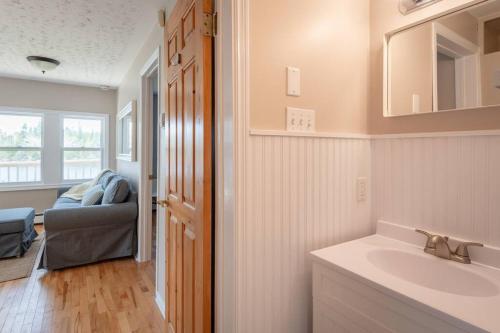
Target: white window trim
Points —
{"points": [[27, 112], [129, 109], [51, 177], [103, 149]]}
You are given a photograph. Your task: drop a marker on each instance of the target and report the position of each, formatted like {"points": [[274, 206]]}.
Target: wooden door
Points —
{"points": [[188, 48]]}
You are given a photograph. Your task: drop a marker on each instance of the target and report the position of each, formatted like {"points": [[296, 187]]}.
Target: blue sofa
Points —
{"points": [[78, 235]]}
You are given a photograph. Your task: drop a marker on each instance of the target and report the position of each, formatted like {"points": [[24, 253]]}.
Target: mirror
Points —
{"points": [[126, 132], [449, 63]]}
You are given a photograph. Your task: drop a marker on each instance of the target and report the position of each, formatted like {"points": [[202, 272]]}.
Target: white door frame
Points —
{"points": [[232, 134], [144, 127]]}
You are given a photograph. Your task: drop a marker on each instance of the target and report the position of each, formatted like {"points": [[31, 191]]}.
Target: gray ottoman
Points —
{"points": [[17, 231]]}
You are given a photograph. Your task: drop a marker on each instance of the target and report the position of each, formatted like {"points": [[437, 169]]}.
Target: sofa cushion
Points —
{"points": [[63, 203], [93, 196], [106, 178], [15, 220], [116, 191]]}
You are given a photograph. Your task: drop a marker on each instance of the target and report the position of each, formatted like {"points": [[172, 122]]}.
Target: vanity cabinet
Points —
{"points": [[344, 303]]}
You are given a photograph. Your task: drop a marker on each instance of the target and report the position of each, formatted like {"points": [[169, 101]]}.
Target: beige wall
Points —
{"points": [[490, 63], [59, 97], [53, 96], [411, 69], [328, 40], [385, 17], [463, 24]]}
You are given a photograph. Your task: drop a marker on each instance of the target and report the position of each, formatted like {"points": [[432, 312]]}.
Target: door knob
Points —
{"points": [[189, 234], [163, 203]]}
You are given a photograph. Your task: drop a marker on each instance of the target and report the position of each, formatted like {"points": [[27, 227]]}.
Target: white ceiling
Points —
{"points": [[96, 41]]}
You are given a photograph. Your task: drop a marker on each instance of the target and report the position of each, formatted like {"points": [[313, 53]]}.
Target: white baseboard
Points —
{"points": [[160, 302]]}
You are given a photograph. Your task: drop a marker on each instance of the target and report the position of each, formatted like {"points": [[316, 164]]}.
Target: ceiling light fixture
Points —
{"points": [[43, 64], [408, 6]]}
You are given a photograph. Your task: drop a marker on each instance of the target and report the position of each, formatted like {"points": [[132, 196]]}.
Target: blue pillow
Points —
{"points": [[116, 191], [93, 196], [106, 178]]}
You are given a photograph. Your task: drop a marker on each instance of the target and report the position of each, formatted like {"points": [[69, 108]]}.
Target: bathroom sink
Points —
{"points": [[390, 268], [430, 272]]}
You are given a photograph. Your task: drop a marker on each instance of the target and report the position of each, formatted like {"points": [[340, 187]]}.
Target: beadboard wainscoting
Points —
{"points": [[447, 184], [300, 196]]}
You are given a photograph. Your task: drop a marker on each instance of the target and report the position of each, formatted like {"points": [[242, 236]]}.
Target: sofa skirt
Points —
{"points": [[74, 247]]}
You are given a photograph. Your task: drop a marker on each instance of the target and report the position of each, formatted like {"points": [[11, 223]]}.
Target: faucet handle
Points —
{"points": [[462, 248], [430, 238], [424, 233]]}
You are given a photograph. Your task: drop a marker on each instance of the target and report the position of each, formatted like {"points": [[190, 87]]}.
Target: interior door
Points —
{"points": [[189, 182]]}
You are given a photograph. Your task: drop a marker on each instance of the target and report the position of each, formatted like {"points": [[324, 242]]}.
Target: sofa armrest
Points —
{"points": [[62, 190], [91, 216]]}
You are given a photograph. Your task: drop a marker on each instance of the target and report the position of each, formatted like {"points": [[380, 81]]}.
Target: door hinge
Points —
{"points": [[210, 24]]}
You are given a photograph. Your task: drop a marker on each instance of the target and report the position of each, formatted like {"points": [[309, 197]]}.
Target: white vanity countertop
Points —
{"points": [[446, 290]]}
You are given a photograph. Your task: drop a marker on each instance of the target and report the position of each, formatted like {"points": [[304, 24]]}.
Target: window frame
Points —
{"points": [[103, 150], [32, 113], [52, 145]]}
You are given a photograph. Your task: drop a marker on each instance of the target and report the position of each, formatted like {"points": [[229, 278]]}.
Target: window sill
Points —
{"points": [[32, 187]]}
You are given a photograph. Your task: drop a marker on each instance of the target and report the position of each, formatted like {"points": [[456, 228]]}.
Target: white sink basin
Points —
{"points": [[430, 272], [393, 263]]}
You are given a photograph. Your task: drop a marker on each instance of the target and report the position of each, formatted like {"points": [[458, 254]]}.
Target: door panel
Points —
{"points": [[174, 244], [171, 48], [188, 23], [189, 105], [178, 277], [188, 280], [172, 136], [189, 101]]}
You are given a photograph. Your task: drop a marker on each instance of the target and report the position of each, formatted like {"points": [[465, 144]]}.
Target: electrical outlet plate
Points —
{"points": [[300, 120], [362, 189]]}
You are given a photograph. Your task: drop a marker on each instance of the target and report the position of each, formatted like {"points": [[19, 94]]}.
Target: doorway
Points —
{"points": [[153, 93], [149, 156], [456, 80]]}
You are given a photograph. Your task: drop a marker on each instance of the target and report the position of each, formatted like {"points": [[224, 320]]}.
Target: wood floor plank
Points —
{"points": [[113, 296]]}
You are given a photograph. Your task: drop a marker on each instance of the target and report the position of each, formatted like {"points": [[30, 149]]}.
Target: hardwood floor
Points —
{"points": [[114, 296]]}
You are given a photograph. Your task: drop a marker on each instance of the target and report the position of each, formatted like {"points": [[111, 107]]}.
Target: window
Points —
{"points": [[47, 148], [20, 148], [83, 147]]}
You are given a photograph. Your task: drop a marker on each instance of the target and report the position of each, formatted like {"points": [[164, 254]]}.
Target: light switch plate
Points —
{"points": [[300, 120], [293, 81]]}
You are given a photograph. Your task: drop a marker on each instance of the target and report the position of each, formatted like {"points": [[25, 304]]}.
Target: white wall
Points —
{"points": [[294, 194], [59, 97], [300, 196], [446, 184]]}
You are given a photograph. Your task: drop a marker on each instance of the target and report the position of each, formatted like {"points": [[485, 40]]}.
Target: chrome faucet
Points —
{"points": [[438, 246]]}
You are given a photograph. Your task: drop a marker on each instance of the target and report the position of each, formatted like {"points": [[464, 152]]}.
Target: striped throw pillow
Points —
{"points": [[93, 196]]}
